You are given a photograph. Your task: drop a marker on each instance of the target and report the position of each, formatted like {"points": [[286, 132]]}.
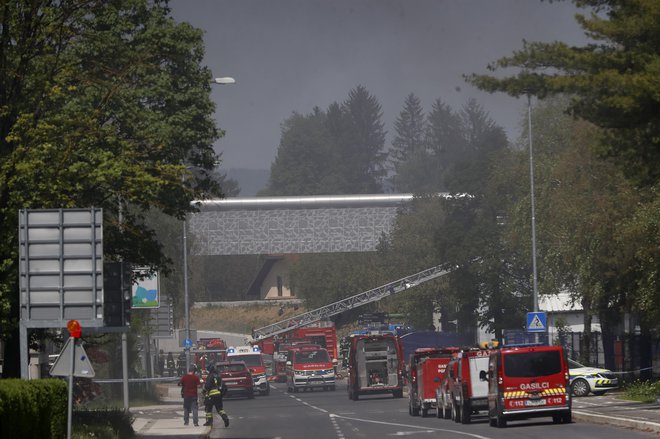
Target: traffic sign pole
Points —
{"points": [[72, 340]]}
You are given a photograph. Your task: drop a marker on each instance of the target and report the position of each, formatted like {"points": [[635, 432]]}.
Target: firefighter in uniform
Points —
{"points": [[214, 389]]}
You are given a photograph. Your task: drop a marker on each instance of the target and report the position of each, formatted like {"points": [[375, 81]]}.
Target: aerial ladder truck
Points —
{"points": [[349, 303]]}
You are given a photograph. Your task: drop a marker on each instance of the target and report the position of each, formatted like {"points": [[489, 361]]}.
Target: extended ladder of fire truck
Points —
{"points": [[351, 302]]}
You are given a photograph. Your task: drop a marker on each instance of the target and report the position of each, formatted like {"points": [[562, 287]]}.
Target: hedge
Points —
{"points": [[33, 409]]}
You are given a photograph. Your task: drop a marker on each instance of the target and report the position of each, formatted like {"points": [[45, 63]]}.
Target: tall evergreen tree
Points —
{"points": [[612, 81], [470, 158], [362, 146], [446, 141], [409, 139], [302, 156]]}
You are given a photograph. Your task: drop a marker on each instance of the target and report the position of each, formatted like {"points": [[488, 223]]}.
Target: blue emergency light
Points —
{"points": [[231, 350], [256, 349]]}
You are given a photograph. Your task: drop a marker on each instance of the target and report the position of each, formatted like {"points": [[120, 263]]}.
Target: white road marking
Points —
{"points": [[408, 433], [395, 424]]}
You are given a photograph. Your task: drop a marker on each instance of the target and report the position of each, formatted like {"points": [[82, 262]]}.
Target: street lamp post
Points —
{"points": [[531, 184], [533, 213], [226, 80]]}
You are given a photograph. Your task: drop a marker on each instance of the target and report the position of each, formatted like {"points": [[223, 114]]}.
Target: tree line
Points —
{"points": [[595, 134]]}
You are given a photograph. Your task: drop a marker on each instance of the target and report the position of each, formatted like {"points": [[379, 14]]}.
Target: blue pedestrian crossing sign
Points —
{"points": [[187, 343], [537, 322]]}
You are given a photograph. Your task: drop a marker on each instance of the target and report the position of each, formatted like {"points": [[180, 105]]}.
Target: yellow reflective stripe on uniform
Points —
{"points": [[214, 392]]}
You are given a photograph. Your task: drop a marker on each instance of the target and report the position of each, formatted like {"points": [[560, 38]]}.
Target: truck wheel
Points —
{"points": [[580, 387], [466, 414], [267, 391], [250, 394], [414, 411], [356, 396], [492, 422], [295, 389], [567, 418], [425, 412], [500, 422]]}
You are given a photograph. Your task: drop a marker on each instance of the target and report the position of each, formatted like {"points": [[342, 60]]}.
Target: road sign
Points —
{"points": [[187, 344], [536, 322], [62, 366], [161, 320], [61, 267], [146, 290]]}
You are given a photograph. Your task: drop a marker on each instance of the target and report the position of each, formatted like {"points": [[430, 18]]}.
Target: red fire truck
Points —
{"points": [[211, 351], [426, 367], [528, 381], [322, 333], [375, 365], [309, 367], [463, 391]]}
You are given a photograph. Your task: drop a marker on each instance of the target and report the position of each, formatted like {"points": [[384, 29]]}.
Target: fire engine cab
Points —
{"points": [[527, 381]]}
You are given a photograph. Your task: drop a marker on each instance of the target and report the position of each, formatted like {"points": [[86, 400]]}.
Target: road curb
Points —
{"points": [[645, 426]]}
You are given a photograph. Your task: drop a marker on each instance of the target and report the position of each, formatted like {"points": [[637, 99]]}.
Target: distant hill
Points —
{"points": [[250, 181]]}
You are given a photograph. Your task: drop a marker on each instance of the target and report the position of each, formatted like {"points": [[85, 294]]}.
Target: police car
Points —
{"points": [[585, 379]]}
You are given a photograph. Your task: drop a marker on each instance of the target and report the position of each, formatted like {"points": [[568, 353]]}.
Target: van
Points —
{"points": [[309, 368], [463, 391], [527, 381], [375, 365]]}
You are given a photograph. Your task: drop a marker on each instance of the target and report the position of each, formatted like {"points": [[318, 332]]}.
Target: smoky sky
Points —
{"points": [[293, 55]]}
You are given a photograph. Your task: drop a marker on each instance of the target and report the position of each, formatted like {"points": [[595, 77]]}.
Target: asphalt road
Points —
{"points": [[331, 415]]}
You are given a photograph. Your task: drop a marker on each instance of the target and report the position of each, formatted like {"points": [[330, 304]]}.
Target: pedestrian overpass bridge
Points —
{"points": [[294, 225]]}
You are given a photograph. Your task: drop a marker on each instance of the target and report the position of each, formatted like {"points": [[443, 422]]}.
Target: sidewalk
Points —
{"points": [[609, 410], [166, 419]]}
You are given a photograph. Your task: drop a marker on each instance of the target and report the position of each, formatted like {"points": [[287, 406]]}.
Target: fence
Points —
{"points": [[635, 356]]}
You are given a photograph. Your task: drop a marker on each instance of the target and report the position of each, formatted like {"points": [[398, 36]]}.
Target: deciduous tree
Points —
{"points": [[102, 104]]}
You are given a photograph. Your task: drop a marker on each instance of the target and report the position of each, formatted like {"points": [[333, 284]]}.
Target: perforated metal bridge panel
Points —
{"points": [[280, 231]]}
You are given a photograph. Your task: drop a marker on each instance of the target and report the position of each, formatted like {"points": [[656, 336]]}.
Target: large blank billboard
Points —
{"points": [[61, 267]]}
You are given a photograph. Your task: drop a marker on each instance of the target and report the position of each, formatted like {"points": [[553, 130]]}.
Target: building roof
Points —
{"points": [[561, 302]]}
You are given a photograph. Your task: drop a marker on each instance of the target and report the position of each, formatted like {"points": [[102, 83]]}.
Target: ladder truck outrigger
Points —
{"points": [[302, 320]]}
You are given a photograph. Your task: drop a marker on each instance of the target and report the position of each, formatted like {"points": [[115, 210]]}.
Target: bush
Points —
{"points": [[33, 409], [643, 391], [103, 423]]}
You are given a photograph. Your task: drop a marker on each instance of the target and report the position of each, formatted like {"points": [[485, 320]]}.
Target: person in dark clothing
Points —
{"points": [[214, 389], [189, 384]]}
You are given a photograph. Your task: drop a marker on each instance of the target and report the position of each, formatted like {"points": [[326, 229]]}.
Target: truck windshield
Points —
{"points": [[231, 368], [250, 360], [532, 364], [312, 357]]}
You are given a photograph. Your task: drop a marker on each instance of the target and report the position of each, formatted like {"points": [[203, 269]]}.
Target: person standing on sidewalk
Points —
{"points": [[214, 389], [189, 384]]}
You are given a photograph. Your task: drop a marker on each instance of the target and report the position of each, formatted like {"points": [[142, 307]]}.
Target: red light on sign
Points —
{"points": [[74, 328]]}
